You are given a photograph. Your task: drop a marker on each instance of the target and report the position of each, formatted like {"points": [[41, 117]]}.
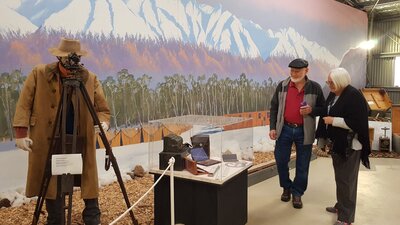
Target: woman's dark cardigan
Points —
{"points": [[351, 106]]}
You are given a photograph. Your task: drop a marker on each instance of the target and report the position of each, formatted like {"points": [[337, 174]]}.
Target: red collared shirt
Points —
{"points": [[292, 105]]}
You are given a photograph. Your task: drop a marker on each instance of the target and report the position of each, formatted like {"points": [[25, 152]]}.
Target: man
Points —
{"points": [[34, 121], [294, 106]]}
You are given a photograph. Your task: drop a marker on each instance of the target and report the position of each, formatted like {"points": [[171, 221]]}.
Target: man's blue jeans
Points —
{"points": [[288, 136]]}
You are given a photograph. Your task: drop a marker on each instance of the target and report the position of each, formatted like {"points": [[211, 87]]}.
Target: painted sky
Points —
{"points": [[325, 21]]}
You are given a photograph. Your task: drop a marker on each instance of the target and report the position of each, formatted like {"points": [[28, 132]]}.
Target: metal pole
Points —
{"points": [[171, 182]]}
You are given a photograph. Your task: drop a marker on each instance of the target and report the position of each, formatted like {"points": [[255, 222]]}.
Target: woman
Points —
{"points": [[345, 128]]}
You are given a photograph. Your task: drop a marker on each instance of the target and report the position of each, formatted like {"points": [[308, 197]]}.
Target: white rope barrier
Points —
{"points": [[171, 183], [171, 165]]}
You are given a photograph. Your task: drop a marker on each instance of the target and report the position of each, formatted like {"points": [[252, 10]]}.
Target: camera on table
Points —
{"points": [[173, 147]]}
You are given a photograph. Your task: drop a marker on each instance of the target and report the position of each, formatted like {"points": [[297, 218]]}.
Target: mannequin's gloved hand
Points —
{"points": [[104, 125], [24, 143]]}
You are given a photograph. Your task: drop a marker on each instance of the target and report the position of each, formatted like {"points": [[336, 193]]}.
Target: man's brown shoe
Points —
{"points": [[285, 197], [331, 209], [297, 202], [341, 223]]}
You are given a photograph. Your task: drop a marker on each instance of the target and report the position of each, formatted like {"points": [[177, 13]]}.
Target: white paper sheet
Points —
{"points": [[66, 163]]}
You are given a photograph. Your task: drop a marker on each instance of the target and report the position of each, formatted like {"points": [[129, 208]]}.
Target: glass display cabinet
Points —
{"points": [[227, 143], [217, 189]]}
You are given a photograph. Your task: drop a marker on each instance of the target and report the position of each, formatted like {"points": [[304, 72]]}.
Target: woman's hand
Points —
{"points": [[328, 120]]}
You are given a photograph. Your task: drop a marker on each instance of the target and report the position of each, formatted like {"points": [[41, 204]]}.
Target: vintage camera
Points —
{"points": [[173, 147], [72, 63]]}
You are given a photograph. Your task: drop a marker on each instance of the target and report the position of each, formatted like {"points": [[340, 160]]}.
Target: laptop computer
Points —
{"points": [[200, 156]]}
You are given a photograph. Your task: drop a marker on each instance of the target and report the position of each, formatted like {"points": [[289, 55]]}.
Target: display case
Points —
{"points": [[227, 141], [378, 101]]}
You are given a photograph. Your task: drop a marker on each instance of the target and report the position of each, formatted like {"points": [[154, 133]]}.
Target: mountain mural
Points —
{"points": [[155, 37], [167, 58]]}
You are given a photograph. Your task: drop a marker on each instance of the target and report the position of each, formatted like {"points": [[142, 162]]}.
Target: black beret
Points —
{"points": [[298, 63]]}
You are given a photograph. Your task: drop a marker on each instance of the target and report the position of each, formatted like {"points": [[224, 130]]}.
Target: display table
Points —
{"points": [[203, 200]]}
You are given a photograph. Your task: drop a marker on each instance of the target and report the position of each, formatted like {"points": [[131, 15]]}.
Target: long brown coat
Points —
{"points": [[37, 109]]}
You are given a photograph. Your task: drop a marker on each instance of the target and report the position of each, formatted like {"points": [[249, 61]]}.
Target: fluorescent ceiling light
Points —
{"points": [[368, 44]]}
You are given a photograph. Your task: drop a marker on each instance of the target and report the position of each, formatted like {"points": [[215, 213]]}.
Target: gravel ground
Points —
{"points": [[111, 203]]}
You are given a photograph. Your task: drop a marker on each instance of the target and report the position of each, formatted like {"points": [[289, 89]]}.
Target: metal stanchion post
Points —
{"points": [[171, 182]]}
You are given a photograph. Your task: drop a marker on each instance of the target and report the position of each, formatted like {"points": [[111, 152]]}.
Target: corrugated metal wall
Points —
{"points": [[381, 61], [380, 72], [394, 94]]}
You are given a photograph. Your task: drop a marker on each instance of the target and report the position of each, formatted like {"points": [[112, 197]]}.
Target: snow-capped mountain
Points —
{"points": [[15, 23], [182, 20], [354, 61], [264, 39], [37, 11], [292, 44], [98, 17]]}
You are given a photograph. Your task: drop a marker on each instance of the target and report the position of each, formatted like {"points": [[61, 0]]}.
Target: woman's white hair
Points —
{"points": [[340, 77]]}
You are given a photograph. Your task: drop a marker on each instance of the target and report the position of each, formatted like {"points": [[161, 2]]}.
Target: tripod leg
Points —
{"points": [[108, 149], [57, 141], [69, 209], [66, 189], [38, 208], [54, 144], [43, 190]]}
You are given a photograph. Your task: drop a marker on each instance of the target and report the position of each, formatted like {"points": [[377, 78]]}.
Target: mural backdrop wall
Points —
{"points": [[163, 58]]}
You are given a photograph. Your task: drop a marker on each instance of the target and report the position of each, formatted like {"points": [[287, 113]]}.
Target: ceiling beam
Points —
{"points": [[353, 3], [369, 4], [383, 55], [376, 9], [349, 2]]}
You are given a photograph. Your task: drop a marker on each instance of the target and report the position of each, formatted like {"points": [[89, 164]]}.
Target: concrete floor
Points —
{"points": [[377, 201]]}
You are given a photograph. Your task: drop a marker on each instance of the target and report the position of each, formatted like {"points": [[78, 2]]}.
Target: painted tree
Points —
{"points": [[10, 86], [145, 95], [123, 78], [110, 90]]}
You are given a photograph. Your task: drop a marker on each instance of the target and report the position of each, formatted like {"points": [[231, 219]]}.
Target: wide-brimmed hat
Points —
{"points": [[67, 46]]}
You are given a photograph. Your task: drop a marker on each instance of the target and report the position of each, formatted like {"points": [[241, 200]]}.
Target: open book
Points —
{"points": [[211, 170]]}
